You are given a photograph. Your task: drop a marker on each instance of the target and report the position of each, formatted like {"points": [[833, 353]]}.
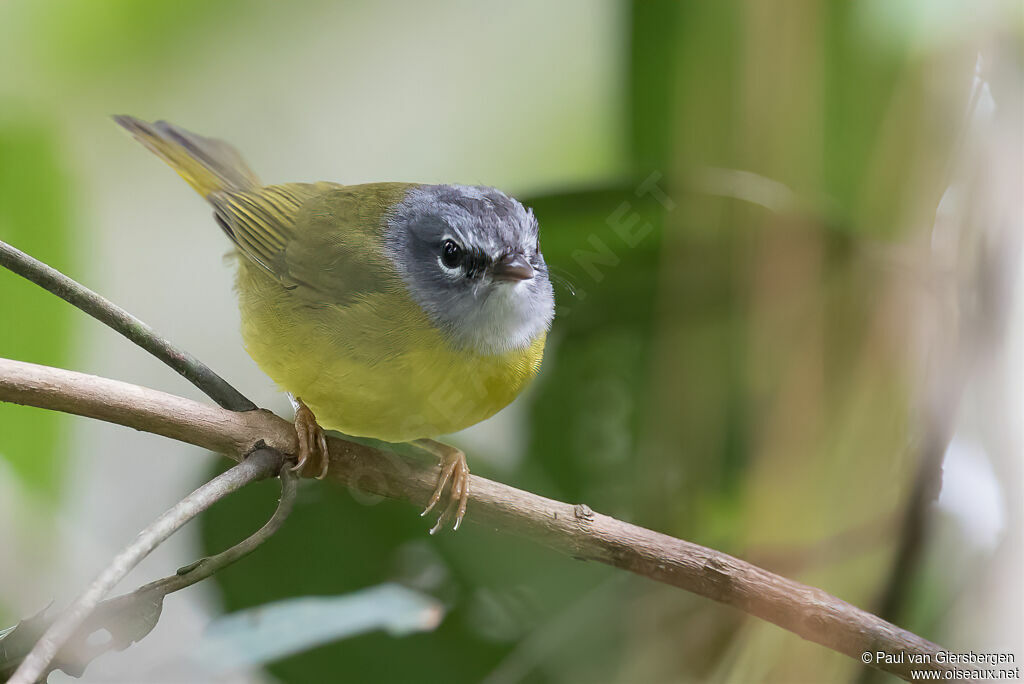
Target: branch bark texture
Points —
{"points": [[575, 530]]}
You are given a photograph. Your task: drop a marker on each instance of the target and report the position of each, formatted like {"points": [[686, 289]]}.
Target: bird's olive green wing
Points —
{"points": [[320, 239], [262, 222]]}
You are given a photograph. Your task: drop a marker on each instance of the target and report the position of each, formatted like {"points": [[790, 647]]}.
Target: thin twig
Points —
{"points": [[207, 567], [259, 465], [108, 313], [130, 617], [574, 530]]}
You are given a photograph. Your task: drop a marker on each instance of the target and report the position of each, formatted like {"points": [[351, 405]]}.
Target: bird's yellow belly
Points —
{"points": [[376, 368], [422, 394]]}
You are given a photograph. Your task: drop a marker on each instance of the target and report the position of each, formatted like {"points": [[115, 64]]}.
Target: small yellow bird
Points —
{"points": [[397, 311]]}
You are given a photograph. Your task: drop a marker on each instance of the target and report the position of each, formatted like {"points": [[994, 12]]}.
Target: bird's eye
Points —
{"points": [[451, 254]]}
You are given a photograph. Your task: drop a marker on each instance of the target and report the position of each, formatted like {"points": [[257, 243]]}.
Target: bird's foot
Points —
{"points": [[455, 470], [312, 441]]}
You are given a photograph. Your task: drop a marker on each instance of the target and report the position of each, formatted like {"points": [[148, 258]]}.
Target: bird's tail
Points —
{"points": [[207, 164]]}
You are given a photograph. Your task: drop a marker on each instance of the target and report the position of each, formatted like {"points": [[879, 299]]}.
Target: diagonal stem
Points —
{"points": [[207, 567], [133, 615], [260, 464], [108, 313]]}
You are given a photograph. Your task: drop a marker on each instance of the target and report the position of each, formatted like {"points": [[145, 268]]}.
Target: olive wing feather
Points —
{"points": [[320, 239]]}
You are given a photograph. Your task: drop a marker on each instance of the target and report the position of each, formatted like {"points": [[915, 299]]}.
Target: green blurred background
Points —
{"points": [[785, 236]]}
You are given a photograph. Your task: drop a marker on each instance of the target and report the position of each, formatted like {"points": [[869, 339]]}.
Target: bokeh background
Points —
{"points": [[786, 236]]}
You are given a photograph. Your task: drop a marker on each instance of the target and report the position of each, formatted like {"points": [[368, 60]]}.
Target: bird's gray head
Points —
{"points": [[470, 257]]}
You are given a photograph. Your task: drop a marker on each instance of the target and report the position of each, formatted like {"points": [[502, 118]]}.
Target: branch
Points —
{"points": [[260, 464], [108, 313], [130, 617], [574, 530], [207, 567]]}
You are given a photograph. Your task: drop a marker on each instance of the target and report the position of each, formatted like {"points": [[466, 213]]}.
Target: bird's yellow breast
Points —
{"points": [[375, 367]]}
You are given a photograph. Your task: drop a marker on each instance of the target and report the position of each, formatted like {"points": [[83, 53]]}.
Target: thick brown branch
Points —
{"points": [[572, 529]]}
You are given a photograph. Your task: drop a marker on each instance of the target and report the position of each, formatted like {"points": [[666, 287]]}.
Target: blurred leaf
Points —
{"points": [[855, 114], [337, 541], [654, 42], [269, 632], [122, 621], [17, 641], [36, 324]]}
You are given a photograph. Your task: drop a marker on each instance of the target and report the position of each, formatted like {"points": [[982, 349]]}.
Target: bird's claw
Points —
{"points": [[312, 441], [455, 471]]}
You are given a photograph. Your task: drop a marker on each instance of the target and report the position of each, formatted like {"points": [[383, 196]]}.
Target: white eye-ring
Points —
{"points": [[450, 260], [451, 272]]}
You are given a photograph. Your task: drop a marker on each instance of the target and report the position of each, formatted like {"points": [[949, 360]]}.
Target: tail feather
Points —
{"points": [[207, 164]]}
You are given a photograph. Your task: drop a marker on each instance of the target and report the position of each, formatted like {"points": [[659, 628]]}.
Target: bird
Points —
{"points": [[396, 311]]}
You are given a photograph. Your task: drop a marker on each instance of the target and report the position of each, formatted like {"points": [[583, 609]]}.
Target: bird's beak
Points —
{"points": [[512, 267]]}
